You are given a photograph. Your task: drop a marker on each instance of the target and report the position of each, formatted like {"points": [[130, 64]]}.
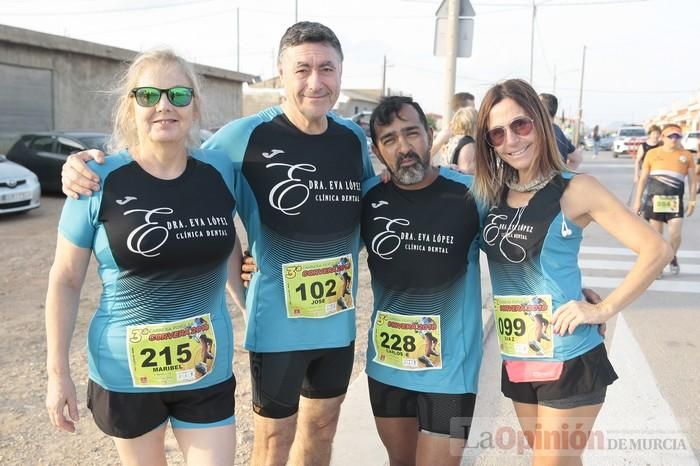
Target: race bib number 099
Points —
{"points": [[319, 288], [523, 325], [407, 342], [666, 204], [172, 353]]}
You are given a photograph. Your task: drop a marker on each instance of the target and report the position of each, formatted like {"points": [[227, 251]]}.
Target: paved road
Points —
{"points": [[651, 415]]}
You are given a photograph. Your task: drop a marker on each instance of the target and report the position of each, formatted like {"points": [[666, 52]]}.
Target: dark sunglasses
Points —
{"points": [[674, 136], [179, 96], [522, 126]]}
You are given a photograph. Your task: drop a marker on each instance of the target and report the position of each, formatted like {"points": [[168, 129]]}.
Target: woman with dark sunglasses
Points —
{"points": [[160, 344], [532, 234]]}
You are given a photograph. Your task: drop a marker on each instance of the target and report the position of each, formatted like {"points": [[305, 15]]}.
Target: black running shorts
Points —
{"points": [[656, 188], [130, 415], [278, 379], [447, 414], [583, 375]]}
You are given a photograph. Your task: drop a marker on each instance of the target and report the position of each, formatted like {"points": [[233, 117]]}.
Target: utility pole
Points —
{"points": [[296, 11], [238, 39], [383, 93], [532, 39], [274, 62], [554, 81], [580, 101], [451, 56]]}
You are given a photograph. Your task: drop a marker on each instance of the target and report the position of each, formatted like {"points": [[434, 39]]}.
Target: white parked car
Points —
{"points": [[691, 140], [628, 140], [19, 188]]}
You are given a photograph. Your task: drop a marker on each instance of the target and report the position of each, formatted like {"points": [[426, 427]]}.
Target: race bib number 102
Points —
{"points": [[319, 288]]}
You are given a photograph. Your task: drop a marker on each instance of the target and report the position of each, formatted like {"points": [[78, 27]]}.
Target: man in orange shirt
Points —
{"points": [[663, 173]]}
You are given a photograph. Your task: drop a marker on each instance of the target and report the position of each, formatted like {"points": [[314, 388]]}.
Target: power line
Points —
{"points": [[83, 12], [489, 82], [542, 42], [618, 91], [103, 31], [603, 2], [110, 10]]}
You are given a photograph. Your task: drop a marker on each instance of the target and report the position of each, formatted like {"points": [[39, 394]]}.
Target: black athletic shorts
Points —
{"points": [[583, 375], [649, 213], [656, 188], [278, 379], [434, 411], [130, 415]]}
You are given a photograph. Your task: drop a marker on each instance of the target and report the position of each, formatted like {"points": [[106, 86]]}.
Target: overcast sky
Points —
{"points": [[642, 56]]}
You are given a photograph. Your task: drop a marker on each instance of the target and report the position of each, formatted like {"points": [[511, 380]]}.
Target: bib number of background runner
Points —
{"points": [[319, 288], [666, 204], [407, 342], [172, 353]]}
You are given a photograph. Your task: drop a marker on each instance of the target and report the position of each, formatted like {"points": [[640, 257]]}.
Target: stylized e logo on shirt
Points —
{"points": [[137, 237], [282, 189], [512, 251], [378, 242]]}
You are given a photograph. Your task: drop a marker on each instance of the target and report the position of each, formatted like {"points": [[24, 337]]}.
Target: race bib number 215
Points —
{"points": [[172, 353]]}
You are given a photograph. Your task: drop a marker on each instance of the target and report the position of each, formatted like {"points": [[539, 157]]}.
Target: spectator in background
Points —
{"points": [[596, 141], [459, 100], [572, 156], [653, 141], [459, 150], [697, 167]]}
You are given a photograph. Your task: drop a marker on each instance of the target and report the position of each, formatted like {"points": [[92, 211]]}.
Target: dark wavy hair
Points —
{"points": [[551, 102], [388, 109]]}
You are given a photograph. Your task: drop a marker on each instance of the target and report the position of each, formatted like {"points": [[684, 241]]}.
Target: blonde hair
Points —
{"points": [[464, 122], [124, 134], [491, 172]]}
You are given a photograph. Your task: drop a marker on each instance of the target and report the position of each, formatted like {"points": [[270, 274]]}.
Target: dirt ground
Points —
{"points": [[26, 437]]}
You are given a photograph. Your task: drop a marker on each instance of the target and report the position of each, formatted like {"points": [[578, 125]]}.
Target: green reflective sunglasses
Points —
{"points": [[179, 96]]}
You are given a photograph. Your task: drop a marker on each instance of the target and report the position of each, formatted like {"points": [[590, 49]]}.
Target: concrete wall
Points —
{"points": [[255, 100], [83, 73], [223, 101]]}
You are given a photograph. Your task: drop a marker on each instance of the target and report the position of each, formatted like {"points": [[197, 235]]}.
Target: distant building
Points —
{"points": [[260, 95], [354, 101], [687, 116], [55, 83]]}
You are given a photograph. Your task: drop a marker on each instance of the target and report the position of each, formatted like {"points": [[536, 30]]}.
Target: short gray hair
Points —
{"points": [[307, 31]]}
